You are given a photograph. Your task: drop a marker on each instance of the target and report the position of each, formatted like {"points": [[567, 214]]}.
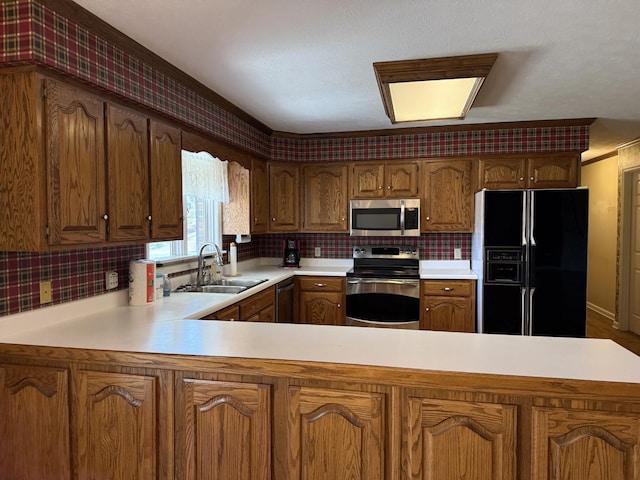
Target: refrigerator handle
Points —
{"points": [[524, 219], [533, 218], [532, 290], [523, 315]]}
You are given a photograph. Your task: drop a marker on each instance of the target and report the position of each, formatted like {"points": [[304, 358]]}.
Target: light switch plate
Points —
{"points": [[317, 252], [45, 292], [457, 254]]}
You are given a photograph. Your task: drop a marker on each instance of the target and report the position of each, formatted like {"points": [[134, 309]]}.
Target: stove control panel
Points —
{"points": [[386, 251]]}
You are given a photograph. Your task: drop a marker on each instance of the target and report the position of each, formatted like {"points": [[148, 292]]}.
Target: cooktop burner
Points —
{"points": [[385, 261]]}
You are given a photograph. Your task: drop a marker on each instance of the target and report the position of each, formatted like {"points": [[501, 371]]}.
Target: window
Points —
{"points": [[205, 186]]}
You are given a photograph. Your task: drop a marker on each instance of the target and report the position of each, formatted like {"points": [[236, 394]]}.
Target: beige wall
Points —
{"points": [[602, 179]]}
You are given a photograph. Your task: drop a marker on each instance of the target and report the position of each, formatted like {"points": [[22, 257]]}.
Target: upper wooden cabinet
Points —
{"points": [[447, 196], [326, 203], [548, 171], [284, 197], [259, 196], [165, 161], [78, 171], [384, 179]]}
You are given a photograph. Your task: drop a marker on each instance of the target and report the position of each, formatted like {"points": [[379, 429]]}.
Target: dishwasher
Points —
{"points": [[284, 301]]}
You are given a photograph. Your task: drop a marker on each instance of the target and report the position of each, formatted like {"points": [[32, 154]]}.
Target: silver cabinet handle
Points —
{"points": [[320, 284], [448, 289]]}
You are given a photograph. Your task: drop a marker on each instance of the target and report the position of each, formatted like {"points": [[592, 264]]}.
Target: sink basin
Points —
{"points": [[227, 285]]}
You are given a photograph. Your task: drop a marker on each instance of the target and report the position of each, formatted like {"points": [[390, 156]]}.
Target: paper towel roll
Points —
{"points": [[233, 259], [142, 276]]}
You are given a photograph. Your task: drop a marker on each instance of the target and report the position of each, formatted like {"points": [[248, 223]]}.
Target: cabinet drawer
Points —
{"points": [[323, 284], [456, 288], [256, 303], [232, 312]]}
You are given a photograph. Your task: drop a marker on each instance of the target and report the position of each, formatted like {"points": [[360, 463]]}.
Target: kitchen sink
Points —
{"points": [[226, 285]]}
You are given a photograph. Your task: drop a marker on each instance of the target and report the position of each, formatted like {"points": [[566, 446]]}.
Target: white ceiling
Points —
{"points": [[305, 66]]}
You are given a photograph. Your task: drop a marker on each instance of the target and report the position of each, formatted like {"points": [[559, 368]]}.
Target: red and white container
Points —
{"points": [[142, 278]]}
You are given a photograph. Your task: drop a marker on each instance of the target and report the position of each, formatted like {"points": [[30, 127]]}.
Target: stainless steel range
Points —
{"points": [[383, 288]]}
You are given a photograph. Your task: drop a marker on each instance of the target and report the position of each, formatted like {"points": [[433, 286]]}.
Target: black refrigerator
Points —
{"points": [[529, 249]]}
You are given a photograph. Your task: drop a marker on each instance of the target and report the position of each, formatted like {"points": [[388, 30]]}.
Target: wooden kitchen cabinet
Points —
{"points": [[448, 305], [326, 202], [259, 307], [123, 425], [384, 180], [545, 171], [34, 423], [259, 178], [284, 197], [224, 430], [77, 170], [336, 434], [320, 300], [447, 196], [165, 162], [447, 439], [576, 444]]}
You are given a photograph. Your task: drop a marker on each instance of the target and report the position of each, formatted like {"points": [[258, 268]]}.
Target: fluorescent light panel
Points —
{"points": [[431, 89]]}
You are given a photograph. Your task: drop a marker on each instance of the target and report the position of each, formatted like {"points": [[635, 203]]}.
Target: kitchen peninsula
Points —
{"points": [[154, 392]]}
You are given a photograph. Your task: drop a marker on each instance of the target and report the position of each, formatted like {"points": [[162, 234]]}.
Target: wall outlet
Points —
{"points": [[457, 254], [45, 292], [110, 279], [317, 252]]}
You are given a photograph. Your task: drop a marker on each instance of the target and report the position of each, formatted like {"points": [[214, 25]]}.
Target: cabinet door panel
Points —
{"points": [[326, 203], [259, 197], [401, 180], [368, 181], [502, 173], [284, 193], [451, 314], [34, 423], [76, 166], [447, 196], [117, 432], [585, 444], [449, 440], [336, 434], [128, 174], [226, 430], [165, 165], [321, 308], [553, 172]]}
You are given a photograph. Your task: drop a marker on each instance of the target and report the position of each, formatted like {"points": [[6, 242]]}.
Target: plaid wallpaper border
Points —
{"points": [[74, 274], [432, 145]]}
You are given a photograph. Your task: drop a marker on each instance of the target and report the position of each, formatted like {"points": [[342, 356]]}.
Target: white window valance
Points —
{"points": [[205, 176]]}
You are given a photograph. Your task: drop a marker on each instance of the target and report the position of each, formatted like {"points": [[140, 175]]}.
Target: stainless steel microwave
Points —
{"points": [[385, 218]]}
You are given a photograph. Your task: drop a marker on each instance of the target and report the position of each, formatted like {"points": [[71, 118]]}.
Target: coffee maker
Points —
{"points": [[291, 256]]}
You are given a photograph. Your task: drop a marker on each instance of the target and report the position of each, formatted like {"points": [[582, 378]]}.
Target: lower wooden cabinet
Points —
{"points": [[34, 423], [335, 434], [224, 430], [320, 300], [585, 444], [257, 308], [448, 305], [449, 440]]}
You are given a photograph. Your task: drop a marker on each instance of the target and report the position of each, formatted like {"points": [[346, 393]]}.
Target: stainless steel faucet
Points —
{"points": [[200, 278]]}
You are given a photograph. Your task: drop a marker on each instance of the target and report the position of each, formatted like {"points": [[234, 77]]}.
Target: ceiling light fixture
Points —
{"points": [[432, 88]]}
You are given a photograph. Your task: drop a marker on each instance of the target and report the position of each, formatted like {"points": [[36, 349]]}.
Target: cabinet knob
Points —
{"points": [[380, 188], [339, 305], [105, 217], [255, 220], [389, 187], [428, 218], [149, 217], [426, 309], [448, 289], [522, 179], [343, 219], [320, 285], [273, 219], [531, 179]]}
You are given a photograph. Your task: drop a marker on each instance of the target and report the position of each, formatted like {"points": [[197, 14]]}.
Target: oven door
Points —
{"points": [[383, 302]]}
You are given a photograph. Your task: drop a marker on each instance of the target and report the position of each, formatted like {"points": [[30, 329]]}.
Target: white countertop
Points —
{"points": [[107, 322]]}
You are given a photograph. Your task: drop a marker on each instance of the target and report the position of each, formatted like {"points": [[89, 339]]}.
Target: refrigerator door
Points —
{"points": [[504, 218], [557, 273], [504, 309]]}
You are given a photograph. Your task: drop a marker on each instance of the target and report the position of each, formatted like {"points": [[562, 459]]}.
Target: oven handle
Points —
{"points": [[408, 283]]}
